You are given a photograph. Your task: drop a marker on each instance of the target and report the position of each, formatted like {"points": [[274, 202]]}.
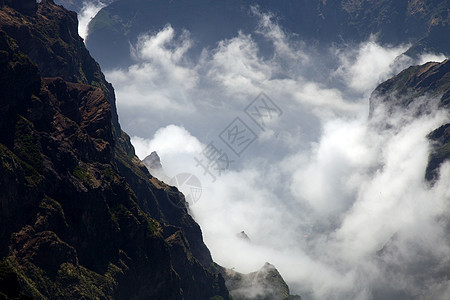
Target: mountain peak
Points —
{"points": [[152, 161]]}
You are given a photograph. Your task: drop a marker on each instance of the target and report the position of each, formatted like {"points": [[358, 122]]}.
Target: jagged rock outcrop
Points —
{"points": [[423, 87], [80, 216], [264, 284], [243, 235], [154, 166], [152, 161]]}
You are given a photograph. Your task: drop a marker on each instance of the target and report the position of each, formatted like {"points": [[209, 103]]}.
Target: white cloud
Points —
{"points": [[366, 66], [359, 188], [427, 57], [322, 189], [161, 79], [87, 13], [173, 144], [168, 140], [235, 65], [362, 69]]}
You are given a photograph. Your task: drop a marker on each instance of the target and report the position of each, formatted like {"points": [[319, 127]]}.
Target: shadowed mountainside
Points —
{"points": [[80, 216], [428, 86]]}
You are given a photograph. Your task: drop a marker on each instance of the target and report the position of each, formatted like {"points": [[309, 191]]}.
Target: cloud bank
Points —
{"points": [[335, 200]]}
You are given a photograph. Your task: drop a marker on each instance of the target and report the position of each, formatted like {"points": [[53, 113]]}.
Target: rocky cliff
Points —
{"points": [[426, 87], [264, 284], [80, 216]]}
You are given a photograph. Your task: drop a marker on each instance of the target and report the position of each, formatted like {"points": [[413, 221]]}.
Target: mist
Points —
{"points": [[334, 199], [86, 14]]}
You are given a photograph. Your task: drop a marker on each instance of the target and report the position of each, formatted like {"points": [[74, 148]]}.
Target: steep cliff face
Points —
{"points": [[426, 87], [49, 36], [80, 216]]}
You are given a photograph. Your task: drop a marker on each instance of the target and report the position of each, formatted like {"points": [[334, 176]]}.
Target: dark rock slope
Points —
{"points": [[422, 88], [80, 216]]}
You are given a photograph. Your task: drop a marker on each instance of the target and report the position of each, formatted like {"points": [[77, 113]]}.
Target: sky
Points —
{"points": [[334, 199]]}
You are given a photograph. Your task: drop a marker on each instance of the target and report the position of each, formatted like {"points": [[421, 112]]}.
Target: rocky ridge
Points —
{"points": [[422, 88], [80, 216], [264, 284]]}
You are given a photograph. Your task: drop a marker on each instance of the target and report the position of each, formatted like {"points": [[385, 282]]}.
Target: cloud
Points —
{"points": [[359, 188], [363, 68], [427, 57], [335, 200], [367, 65], [172, 143], [86, 14], [161, 79]]}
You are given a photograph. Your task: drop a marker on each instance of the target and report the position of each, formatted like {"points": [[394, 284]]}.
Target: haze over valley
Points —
{"points": [[334, 198]]}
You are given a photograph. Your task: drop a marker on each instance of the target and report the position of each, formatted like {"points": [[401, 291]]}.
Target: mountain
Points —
{"points": [[416, 92], [152, 161], [419, 22], [409, 88], [81, 217], [264, 284]]}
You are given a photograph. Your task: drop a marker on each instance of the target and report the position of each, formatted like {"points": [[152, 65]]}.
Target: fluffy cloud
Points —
{"points": [[366, 66], [87, 13], [362, 69], [161, 79], [334, 200]]}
